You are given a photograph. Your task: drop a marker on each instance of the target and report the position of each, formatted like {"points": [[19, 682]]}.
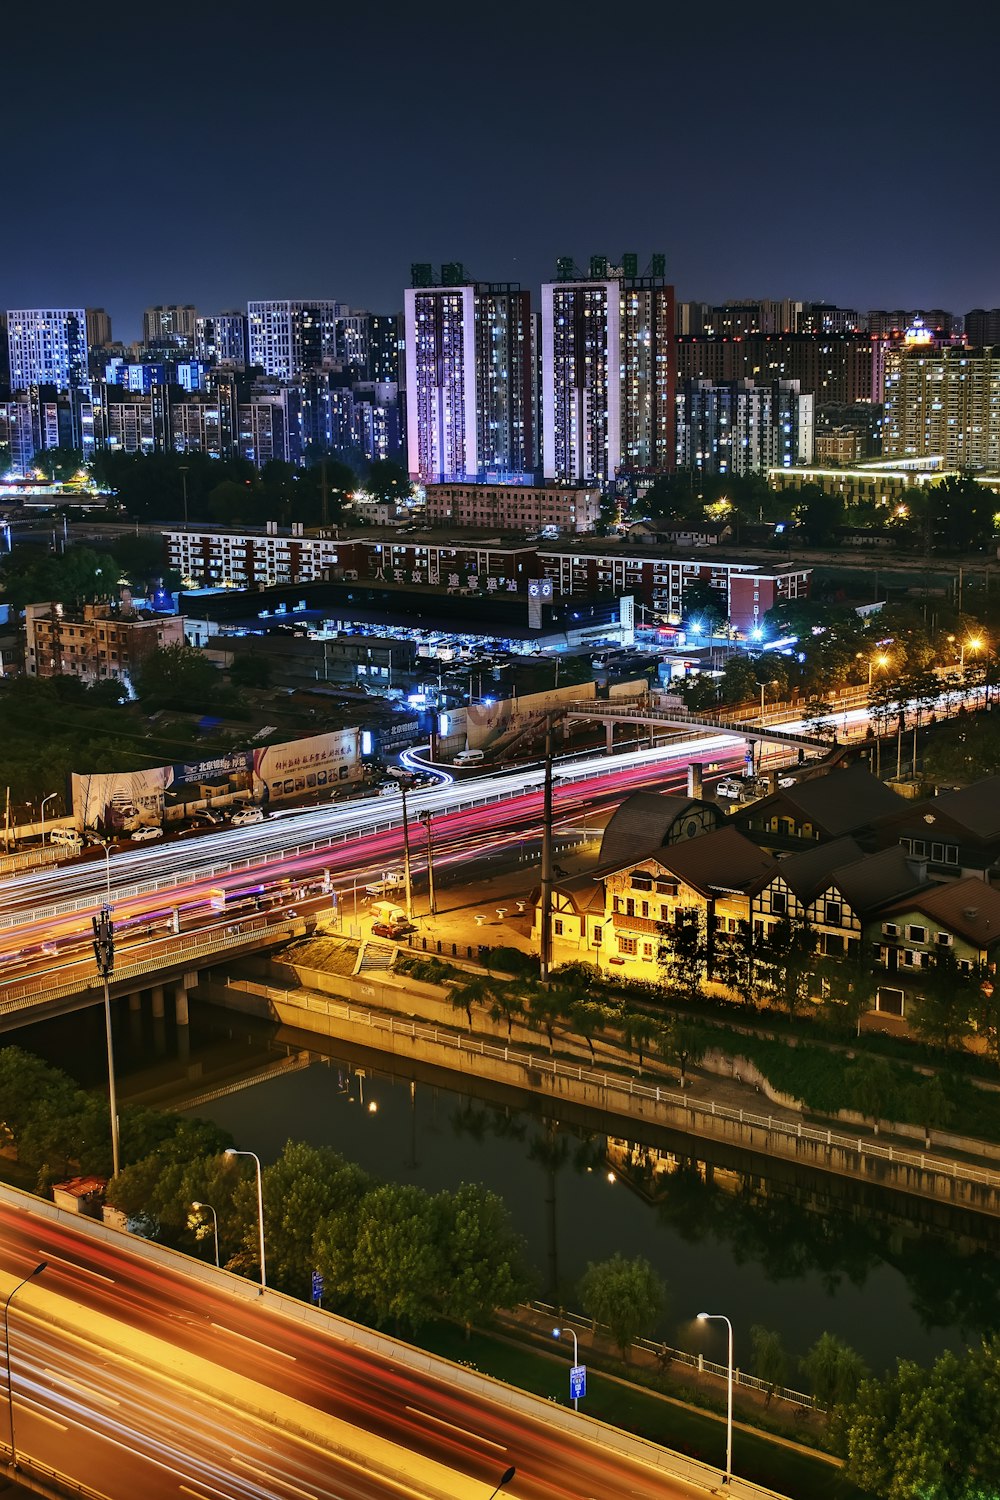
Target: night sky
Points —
{"points": [[216, 152]]}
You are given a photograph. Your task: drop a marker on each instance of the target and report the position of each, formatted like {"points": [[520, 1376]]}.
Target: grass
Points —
{"points": [[697, 1434]]}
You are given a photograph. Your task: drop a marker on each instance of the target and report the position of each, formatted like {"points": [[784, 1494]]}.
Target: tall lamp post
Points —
{"points": [[50, 798], [6, 1341], [406, 785], [704, 1317], [426, 818], [200, 1208], [231, 1151], [104, 954]]}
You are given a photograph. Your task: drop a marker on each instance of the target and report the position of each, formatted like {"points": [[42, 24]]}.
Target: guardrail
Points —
{"points": [[552, 1067], [186, 946]]}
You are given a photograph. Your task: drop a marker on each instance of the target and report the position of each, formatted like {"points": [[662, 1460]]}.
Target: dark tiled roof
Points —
{"points": [[970, 908], [869, 883], [841, 802], [721, 861], [643, 821], [812, 871], [976, 807]]}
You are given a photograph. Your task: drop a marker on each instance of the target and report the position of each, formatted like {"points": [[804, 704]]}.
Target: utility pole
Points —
{"points": [[104, 953], [425, 818], [403, 787], [546, 894]]}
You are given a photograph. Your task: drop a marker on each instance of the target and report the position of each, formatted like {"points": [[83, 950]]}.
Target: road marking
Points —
{"points": [[77, 1385], [247, 1339], [430, 1417], [48, 1255], [41, 1417], [186, 1490], [272, 1478]]}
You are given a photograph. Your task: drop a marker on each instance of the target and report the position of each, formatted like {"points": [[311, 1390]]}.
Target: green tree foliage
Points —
{"points": [[928, 1432], [703, 605], [484, 1260], [834, 1371], [59, 464], [399, 1260], [251, 671], [769, 1361], [626, 1295], [683, 955], [72, 578], [820, 513], [305, 1186], [873, 1089], [681, 1044], [179, 677], [388, 482], [941, 1010]]}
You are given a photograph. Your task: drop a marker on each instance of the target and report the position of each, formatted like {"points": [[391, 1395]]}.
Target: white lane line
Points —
{"points": [[73, 1266], [259, 1342], [59, 1379], [272, 1478], [186, 1490], [477, 1437], [40, 1416]]}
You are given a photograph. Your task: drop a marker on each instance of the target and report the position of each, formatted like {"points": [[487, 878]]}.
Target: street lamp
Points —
{"points": [[50, 798], [505, 1478], [704, 1317], [426, 819], [876, 661], [6, 1340], [200, 1208], [231, 1151], [557, 1333]]}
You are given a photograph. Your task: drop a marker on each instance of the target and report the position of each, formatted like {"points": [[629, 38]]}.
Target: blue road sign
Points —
{"points": [[577, 1381], [317, 1288]]}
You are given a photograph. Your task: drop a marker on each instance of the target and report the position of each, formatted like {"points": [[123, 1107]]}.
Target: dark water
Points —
{"points": [[802, 1259]]}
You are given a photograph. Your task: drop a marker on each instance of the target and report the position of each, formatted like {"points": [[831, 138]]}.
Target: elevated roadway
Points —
{"points": [[135, 1371]]}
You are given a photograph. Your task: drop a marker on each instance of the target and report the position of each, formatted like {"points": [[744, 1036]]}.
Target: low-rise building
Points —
{"points": [[954, 925], [97, 643], [848, 801], [514, 507]]}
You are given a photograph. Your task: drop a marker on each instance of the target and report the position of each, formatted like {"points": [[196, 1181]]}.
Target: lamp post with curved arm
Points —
{"points": [[704, 1317], [231, 1151], [6, 1341], [201, 1208]]}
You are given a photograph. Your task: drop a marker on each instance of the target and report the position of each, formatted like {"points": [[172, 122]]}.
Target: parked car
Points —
{"points": [[143, 835], [247, 815], [731, 787], [385, 930], [389, 789]]}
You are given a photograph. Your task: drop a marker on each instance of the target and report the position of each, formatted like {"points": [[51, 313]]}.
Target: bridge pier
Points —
{"points": [[157, 995], [609, 737], [181, 1005], [135, 1000]]}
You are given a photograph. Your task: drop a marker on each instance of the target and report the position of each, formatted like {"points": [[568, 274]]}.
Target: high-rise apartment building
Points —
{"points": [[738, 427], [170, 322], [288, 338], [470, 388], [835, 368], [222, 339], [893, 322], [98, 328], [943, 402], [982, 327], [48, 346], [608, 372], [383, 348]]}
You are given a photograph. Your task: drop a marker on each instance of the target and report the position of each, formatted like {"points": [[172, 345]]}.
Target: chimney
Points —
{"points": [[772, 783], [695, 788]]}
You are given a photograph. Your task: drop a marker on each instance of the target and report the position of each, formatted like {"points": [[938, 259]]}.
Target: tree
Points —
{"points": [[626, 1295], [683, 954], [638, 1030], [703, 607], [73, 578], [303, 1187], [682, 1044], [250, 671], [928, 1102], [872, 1088], [820, 514], [484, 1263], [179, 677], [388, 482], [928, 1433], [833, 1370], [399, 1260], [769, 1359], [941, 1012], [784, 963]]}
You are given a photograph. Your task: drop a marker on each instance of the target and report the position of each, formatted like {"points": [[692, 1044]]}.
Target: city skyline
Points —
{"points": [[389, 139]]}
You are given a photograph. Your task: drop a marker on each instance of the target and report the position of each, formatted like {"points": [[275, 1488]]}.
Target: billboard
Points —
{"points": [[323, 760], [120, 801]]}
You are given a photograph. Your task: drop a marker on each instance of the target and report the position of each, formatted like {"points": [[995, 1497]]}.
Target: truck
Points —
{"points": [[389, 913]]}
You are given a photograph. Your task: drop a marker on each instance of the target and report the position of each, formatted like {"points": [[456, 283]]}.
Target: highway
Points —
{"points": [[293, 857], [139, 1378]]}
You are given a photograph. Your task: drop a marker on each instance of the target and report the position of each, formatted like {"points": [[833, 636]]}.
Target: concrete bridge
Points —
{"points": [[169, 965], [643, 711]]}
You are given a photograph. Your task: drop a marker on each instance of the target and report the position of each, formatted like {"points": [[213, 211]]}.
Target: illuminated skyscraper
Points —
{"points": [[48, 347], [169, 322], [291, 338], [608, 372], [222, 339], [470, 405]]}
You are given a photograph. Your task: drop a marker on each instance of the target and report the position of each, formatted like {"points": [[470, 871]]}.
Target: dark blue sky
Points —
{"points": [[223, 151]]}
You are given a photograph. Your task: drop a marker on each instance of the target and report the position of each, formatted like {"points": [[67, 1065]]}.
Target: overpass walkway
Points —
{"points": [[642, 711]]}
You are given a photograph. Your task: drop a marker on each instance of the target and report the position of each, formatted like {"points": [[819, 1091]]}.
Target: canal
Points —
{"points": [[804, 1257]]}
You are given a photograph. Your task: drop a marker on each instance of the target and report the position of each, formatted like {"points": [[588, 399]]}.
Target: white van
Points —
{"points": [[469, 758], [247, 815], [68, 837], [731, 786]]}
